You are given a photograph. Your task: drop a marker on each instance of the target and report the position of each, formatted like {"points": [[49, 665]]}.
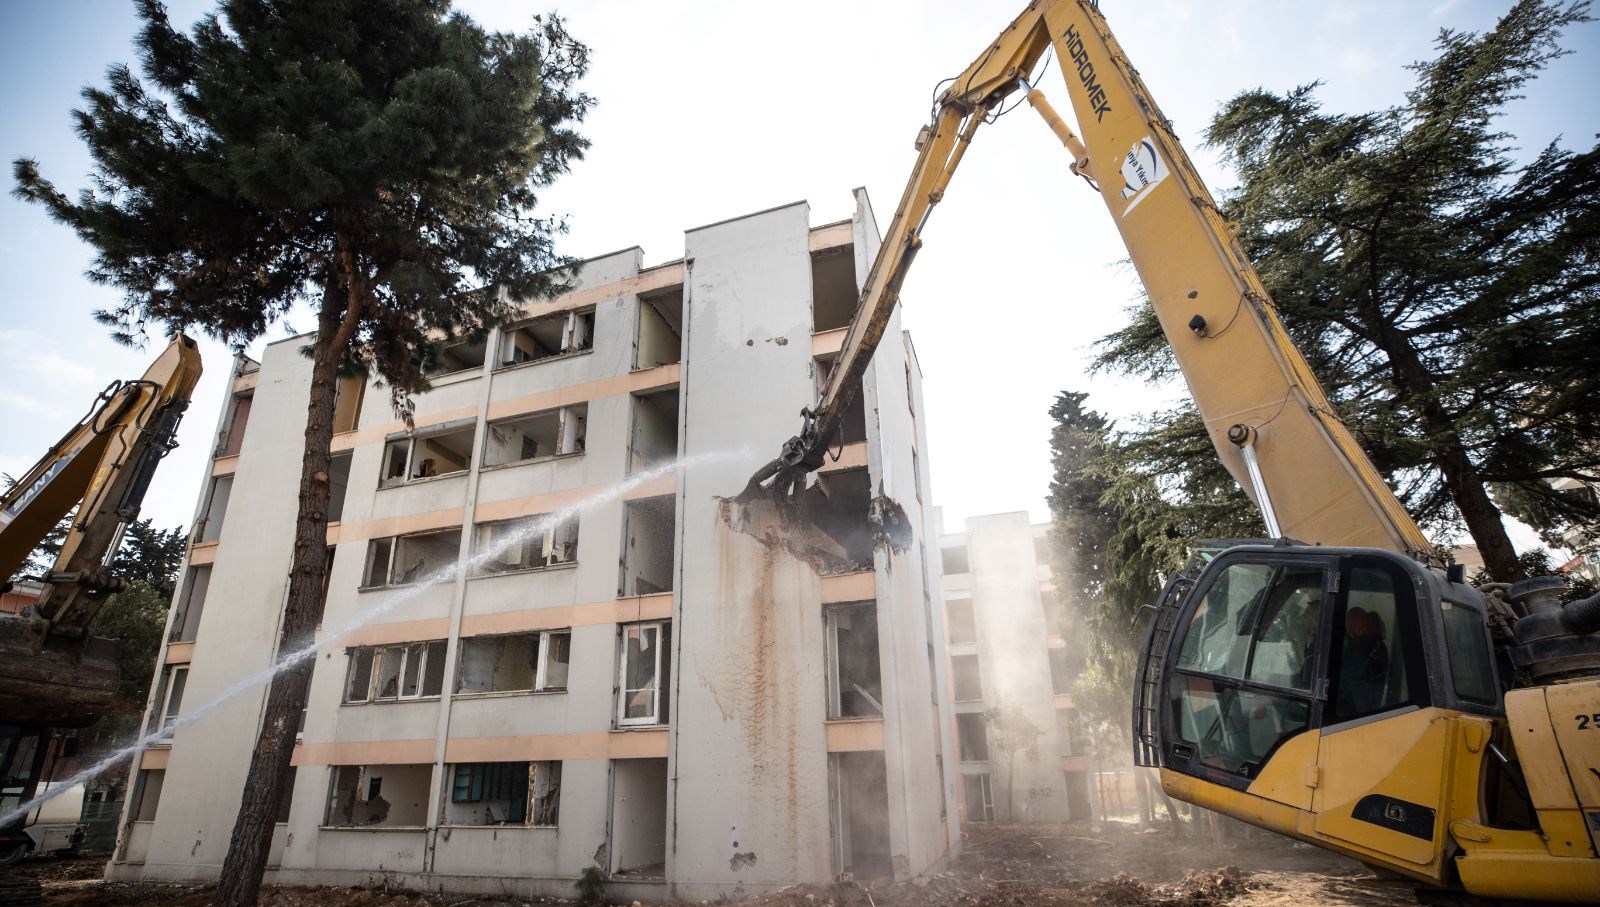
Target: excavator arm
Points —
{"points": [[1267, 416], [50, 671]]}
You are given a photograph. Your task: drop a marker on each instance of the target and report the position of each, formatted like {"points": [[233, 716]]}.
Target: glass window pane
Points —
{"points": [[1471, 664], [1375, 630], [555, 661], [1218, 636], [360, 675], [388, 673], [1232, 729], [1287, 629], [640, 648]]}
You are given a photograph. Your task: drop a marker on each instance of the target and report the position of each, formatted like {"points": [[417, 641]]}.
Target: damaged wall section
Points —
{"points": [[378, 796], [650, 538]]}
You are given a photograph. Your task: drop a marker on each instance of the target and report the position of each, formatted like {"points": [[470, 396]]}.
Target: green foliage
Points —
{"points": [[381, 157], [1103, 704], [1445, 295], [150, 555], [135, 618], [1011, 731], [591, 886]]}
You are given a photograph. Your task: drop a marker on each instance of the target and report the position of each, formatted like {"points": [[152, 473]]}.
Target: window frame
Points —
{"points": [[831, 663], [540, 667], [659, 713], [565, 416], [461, 426], [375, 655], [394, 546], [548, 541], [569, 321]]}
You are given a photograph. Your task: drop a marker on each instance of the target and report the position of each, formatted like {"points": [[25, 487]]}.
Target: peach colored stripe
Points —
{"points": [[849, 587], [854, 736]]}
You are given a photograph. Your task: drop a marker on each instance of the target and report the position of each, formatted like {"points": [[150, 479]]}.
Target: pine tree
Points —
{"points": [[378, 160], [1447, 297]]}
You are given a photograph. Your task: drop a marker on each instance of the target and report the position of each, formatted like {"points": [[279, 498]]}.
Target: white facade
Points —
{"points": [[1010, 649], [639, 686]]}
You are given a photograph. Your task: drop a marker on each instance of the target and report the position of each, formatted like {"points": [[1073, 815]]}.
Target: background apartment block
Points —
{"points": [[1010, 648], [636, 686]]}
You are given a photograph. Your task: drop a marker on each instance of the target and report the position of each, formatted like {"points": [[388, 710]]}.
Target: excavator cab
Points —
{"points": [[1297, 686]]}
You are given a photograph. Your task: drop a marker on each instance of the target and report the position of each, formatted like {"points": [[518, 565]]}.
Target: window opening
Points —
{"points": [[458, 357], [216, 508], [858, 814], [387, 673], [147, 794], [649, 540], [347, 396], [979, 794], [660, 339], [440, 452], [853, 425], [504, 793], [186, 623], [232, 440], [638, 818], [338, 485], [406, 559], [972, 737], [655, 430], [833, 288], [954, 560], [839, 512], [537, 436], [383, 796], [525, 543], [513, 663], [968, 682], [855, 683], [561, 334], [644, 668], [963, 621]]}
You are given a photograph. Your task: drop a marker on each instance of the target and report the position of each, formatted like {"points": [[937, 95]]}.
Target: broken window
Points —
{"points": [[972, 737], [546, 338], [406, 559], [504, 793], [655, 430], [858, 792], [660, 340], [147, 794], [853, 425], [387, 796], [979, 796], [963, 621], [838, 509], [855, 684], [649, 538], [386, 673], [833, 288], [232, 435], [525, 543], [347, 395], [441, 451], [515, 663], [168, 704], [216, 509], [643, 669], [536, 436], [638, 818], [968, 682], [457, 357], [338, 485], [186, 622]]}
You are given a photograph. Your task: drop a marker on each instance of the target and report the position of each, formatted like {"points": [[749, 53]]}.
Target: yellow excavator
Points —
{"points": [[53, 673], [1338, 683]]}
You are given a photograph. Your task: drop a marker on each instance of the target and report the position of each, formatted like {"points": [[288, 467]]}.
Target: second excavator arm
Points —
{"points": [[1267, 416]]}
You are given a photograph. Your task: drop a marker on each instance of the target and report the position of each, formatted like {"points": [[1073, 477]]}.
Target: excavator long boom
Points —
{"points": [[1267, 416], [103, 466]]}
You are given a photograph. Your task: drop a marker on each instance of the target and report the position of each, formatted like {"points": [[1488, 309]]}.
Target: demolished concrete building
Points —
{"points": [[1013, 647], [639, 687]]}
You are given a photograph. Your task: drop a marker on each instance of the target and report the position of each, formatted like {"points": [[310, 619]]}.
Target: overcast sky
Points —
{"points": [[709, 110]]}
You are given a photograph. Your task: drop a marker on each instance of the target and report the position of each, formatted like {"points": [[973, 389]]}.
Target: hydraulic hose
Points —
{"points": [[1582, 616]]}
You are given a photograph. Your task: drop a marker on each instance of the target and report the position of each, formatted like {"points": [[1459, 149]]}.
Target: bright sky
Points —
{"points": [[709, 110]]}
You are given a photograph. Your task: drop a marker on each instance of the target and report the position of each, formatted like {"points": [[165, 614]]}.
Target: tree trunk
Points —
{"points": [[1461, 476], [264, 793]]}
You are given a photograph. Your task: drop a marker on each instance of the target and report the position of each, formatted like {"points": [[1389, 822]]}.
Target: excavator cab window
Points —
{"points": [[1376, 662], [1246, 666]]}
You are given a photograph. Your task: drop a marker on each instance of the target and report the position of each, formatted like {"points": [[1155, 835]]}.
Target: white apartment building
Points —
{"points": [[641, 687], [1009, 649]]}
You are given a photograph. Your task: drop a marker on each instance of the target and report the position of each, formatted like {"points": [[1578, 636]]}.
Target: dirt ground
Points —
{"points": [[1079, 865]]}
